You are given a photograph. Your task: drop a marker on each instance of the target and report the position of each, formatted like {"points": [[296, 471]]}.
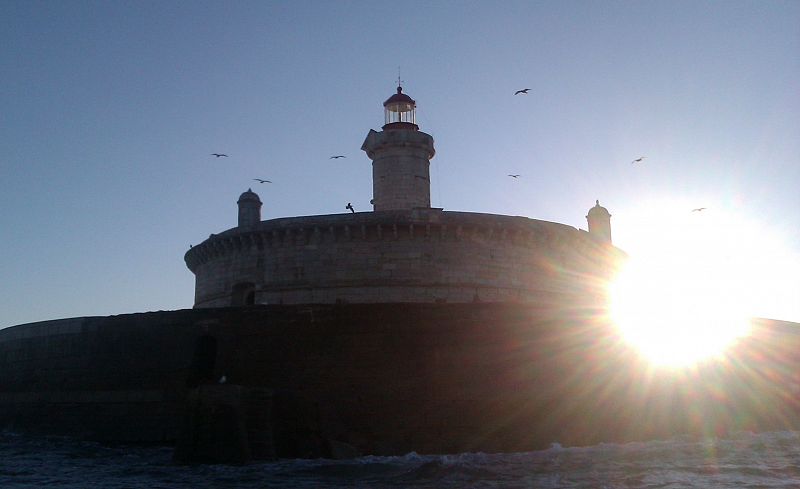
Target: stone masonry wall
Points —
{"points": [[420, 256], [390, 378], [400, 168]]}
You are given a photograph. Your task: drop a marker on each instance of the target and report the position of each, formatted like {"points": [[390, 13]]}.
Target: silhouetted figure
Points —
{"points": [[523, 91], [350, 206], [219, 154]]}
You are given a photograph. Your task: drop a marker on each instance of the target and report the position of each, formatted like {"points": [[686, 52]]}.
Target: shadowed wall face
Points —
{"points": [[389, 379]]}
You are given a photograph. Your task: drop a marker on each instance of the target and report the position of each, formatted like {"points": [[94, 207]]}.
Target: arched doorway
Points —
{"points": [[244, 294]]}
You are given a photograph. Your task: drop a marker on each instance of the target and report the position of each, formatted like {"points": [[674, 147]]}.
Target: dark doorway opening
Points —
{"points": [[203, 361], [244, 294]]}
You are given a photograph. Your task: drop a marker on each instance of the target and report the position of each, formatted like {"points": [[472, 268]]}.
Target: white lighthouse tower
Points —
{"points": [[400, 156]]}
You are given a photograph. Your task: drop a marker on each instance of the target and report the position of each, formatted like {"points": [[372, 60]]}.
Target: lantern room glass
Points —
{"points": [[400, 112]]}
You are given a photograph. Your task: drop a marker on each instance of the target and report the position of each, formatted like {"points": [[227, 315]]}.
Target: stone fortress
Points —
{"points": [[408, 328], [404, 250]]}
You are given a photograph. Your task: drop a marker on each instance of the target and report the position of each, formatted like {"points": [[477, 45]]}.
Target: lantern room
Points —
{"points": [[400, 111]]}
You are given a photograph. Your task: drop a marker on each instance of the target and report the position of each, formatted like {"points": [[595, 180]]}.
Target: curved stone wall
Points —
{"points": [[424, 255], [390, 378]]}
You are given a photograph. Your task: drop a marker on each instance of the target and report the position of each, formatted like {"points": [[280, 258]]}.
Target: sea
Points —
{"points": [[743, 460]]}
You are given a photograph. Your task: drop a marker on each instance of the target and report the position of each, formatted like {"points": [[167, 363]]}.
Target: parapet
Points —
{"points": [[419, 255]]}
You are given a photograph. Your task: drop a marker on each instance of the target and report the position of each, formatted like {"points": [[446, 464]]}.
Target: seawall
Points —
{"points": [[390, 378]]}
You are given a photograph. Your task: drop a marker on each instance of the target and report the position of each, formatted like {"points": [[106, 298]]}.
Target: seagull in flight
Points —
{"points": [[514, 176], [523, 91], [260, 180], [350, 207], [336, 157], [638, 160], [219, 154], [699, 209]]}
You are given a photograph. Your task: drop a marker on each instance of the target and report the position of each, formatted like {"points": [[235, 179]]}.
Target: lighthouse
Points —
{"points": [[400, 155]]}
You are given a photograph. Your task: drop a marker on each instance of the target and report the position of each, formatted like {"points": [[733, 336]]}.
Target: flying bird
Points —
{"points": [[524, 90], [259, 180], [514, 176], [350, 207], [638, 160], [699, 209], [337, 157], [219, 154]]}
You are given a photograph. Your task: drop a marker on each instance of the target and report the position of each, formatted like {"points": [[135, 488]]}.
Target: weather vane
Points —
{"points": [[399, 81]]}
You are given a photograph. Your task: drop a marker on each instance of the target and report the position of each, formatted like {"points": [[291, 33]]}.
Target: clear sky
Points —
{"points": [[109, 111]]}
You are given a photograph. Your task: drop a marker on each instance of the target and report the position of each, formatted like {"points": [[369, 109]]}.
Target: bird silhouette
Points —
{"points": [[638, 160], [524, 91], [259, 180], [337, 157], [514, 176], [219, 154], [699, 209], [350, 206]]}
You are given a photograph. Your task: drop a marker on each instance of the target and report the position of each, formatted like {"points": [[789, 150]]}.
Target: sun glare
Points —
{"points": [[687, 292]]}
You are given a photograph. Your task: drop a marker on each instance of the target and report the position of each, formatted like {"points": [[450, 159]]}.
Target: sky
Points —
{"points": [[109, 112]]}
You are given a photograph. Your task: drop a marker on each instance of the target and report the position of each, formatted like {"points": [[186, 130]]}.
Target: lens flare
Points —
{"points": [[676, 315], [688, 294]]}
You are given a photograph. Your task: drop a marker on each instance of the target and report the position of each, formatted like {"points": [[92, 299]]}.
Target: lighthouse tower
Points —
{"points": [[400, 155]]}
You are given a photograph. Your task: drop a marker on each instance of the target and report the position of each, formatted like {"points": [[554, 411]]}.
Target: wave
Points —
{"points": [[740, 460]]}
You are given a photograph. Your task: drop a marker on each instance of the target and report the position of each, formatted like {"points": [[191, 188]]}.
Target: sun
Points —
{"points": [[674, 314], [686, 294]]}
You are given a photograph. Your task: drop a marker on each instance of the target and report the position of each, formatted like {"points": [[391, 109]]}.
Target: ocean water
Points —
{"points": [[746, 460]]}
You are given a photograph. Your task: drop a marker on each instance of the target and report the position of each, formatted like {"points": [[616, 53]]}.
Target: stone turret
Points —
{"points": [[599, 222], [249, 209], [400, 155]]}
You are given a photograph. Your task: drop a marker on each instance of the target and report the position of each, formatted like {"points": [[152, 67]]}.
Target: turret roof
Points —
{"points": [[249, 195], [399, 97], [598, 210]]}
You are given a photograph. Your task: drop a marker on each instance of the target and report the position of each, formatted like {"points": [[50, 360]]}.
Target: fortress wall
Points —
{"points": [[115, 378], [406, 262], [392, 378], [45, 328]]}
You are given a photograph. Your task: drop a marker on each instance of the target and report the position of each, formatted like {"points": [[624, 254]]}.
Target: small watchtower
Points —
{"points": [[599, 222], [400, 155], [249, 209]]}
